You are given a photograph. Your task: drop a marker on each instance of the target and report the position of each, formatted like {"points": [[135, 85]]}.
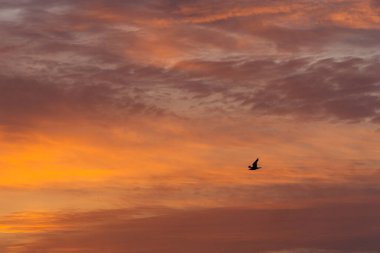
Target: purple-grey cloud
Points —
{"points": [[24, 102], [339, 89], [345, 90], [105, 43]]}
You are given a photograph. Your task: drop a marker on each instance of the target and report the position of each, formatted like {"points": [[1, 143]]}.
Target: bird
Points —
{"points": [[254, 165]]}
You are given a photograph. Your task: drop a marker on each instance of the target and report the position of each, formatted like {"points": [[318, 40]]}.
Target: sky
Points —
{"points": [[128, 126]]}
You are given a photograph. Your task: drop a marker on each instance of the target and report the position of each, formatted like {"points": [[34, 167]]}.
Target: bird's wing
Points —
{"points": [[255, 162]]}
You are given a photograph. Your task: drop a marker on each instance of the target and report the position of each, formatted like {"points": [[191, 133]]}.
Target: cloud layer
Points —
{"points": [[323, 229], [119, 105], [202, 55]]}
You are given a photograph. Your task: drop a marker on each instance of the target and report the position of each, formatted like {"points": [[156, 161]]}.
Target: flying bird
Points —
{"points": [[254, 165]]}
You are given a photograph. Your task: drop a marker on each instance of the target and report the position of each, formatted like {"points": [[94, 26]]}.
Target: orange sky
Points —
{"points": [[120, 119]]}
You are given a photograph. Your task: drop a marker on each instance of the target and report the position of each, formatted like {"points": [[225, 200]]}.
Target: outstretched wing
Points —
{"points": [[254, 164]]}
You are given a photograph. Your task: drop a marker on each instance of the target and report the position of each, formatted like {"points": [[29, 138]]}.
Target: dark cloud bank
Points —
{"points": [[346, 227], [315, 87], [338, 89]]}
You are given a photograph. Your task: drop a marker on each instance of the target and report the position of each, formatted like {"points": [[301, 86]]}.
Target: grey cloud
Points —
{"points": [[328, 88], [345, 89], [314, 31], [24, 102], [375, 3], [272, 85], [244, 72], [314, 39], [320, 34]]}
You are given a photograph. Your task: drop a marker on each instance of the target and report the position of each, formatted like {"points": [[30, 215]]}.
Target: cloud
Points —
{"points": [[345, 90], [25, 102], [317, 251], [106, 90], [144, 32], [281, 189], [349, 228], [214, 65]]}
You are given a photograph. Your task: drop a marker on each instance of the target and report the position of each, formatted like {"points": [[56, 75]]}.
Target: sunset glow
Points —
{"points": [[128, 126]]}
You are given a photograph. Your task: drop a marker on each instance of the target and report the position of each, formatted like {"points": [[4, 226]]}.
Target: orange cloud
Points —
{"points": [[32, 222], [233, 12], [360, 16]]}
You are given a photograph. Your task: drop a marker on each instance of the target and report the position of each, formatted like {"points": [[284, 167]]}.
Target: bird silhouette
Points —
{"points": [[254, 165]]}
